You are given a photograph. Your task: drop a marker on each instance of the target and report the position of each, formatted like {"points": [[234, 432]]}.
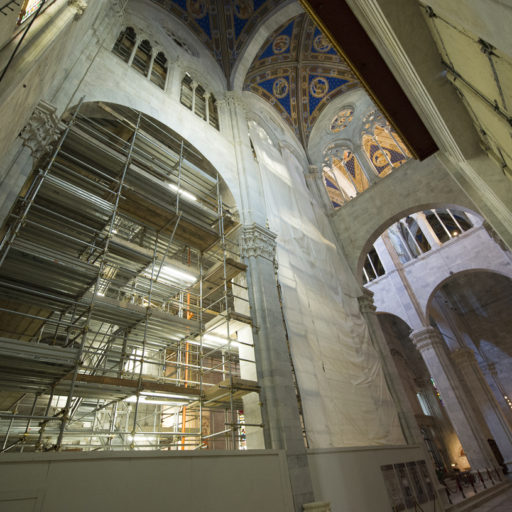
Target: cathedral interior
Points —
{"points": [[255, 255]]}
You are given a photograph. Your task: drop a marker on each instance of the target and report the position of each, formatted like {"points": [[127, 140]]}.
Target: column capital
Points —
{"points": [[427, 337], [42, 129], [463, 356], [366, 303], [258, 241], [79, 6]]}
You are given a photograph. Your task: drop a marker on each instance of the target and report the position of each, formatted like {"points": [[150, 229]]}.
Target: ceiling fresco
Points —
{"points": [[222, 25], [296, 70], [299, 73]]}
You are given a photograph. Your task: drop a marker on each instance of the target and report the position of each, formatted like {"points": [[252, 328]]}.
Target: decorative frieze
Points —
{"points": [[42, 129], [257, 241]]}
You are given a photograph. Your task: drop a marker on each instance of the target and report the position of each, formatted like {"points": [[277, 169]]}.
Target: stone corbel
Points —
{"points": [[42, 130], [79, 6], [257, 241]]}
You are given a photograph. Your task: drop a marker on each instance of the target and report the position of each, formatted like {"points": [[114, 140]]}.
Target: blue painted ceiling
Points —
{"points": [[296, 70], [222, 25], [299, 73]]}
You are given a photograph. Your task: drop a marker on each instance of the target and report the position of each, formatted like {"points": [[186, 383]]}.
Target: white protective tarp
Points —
{"points": [[345, 399]]}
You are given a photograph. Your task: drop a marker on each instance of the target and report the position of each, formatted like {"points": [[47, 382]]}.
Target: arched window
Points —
{"points": [[142, 58], [334, 191], [414, 237], [345, 179], [353, 168], [385, 150], [187, 91], [159, 70], [123, 47], [447, 224], [213, 112], [200, 103]]}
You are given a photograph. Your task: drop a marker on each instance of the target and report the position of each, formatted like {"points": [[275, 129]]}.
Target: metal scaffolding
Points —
{"points": [[122, 296]]}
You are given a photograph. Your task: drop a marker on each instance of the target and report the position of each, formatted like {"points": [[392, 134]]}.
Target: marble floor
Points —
{"points": [[502, 503]]}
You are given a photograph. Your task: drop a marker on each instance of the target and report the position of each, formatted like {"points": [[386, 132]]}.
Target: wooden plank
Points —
{"points": [[146, 385]]}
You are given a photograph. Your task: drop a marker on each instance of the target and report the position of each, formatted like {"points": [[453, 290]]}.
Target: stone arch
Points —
{"points": [[191, 134], [286, 11], [413, 187], [496, 270]]}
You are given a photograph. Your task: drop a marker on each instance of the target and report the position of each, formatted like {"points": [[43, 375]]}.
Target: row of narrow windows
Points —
{"points": [[347, 176], [142, 58], [409, 240], [195, 98]]}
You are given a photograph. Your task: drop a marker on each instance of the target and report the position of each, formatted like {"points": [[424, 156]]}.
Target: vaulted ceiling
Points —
{"points": [[298, 71], [222, 26]]}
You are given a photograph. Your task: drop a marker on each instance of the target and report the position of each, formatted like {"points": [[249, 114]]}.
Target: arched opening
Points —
{"points": [[200, 102], [384, 149], [142, 58], [448, 223], [159, 70], [123, 291], [473, 309], [187, 91], [213, 112], [417, 234], [439, 436], [125, 43]]}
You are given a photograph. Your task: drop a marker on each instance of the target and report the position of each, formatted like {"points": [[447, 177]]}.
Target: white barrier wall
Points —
{"points": [[145, 481], [352, 480]]}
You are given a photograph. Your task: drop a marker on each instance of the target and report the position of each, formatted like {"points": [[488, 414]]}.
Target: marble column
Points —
{"points": [[280, 410], [499, 427], [36, 138], [466, 420]]}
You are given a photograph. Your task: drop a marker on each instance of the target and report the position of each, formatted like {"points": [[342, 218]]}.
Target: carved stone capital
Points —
{"points": [[79, 6], [463, 356], [366, 304], [427, 338], [42, 129], [258, 241]]}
